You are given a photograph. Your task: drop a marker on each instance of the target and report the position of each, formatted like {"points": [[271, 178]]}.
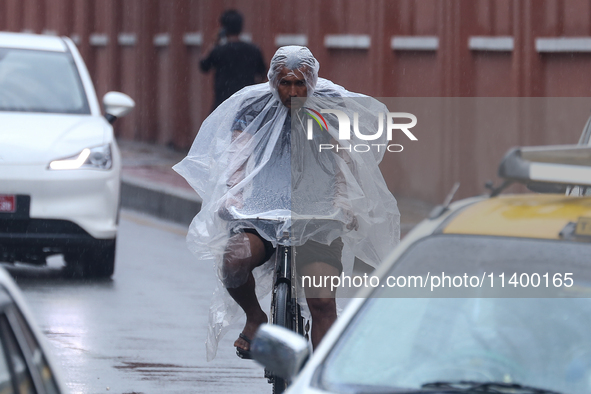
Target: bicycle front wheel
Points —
{"points": [[282, 308], [282, 317]]}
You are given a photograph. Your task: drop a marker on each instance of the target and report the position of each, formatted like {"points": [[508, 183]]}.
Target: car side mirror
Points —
{"points": [[117, 105], [281, 351]]}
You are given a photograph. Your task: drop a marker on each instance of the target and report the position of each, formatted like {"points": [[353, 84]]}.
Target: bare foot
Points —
{"points": [[250, 328]]}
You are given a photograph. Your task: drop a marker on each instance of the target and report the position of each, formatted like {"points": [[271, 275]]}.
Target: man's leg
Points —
{"points": [[245, 251], [321, 300]]}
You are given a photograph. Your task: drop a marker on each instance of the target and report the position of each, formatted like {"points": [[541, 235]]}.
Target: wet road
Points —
{"points": [[144, 330]]}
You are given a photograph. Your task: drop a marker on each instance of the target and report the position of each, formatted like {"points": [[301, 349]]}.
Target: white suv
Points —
{"points": [[59, 162]]}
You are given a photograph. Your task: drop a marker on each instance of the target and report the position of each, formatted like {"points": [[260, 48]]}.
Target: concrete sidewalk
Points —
{"points": [[149, 185]]}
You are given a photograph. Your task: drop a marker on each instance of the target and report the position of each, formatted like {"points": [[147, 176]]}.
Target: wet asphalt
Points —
{"points": [[144, 330]]}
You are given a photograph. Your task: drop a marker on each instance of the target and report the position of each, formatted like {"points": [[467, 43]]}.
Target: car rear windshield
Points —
{"points": [[396, 344], [40, 81]]}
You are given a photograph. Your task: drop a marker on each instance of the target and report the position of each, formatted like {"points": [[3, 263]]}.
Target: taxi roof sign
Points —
{"points": [[559, 164]]}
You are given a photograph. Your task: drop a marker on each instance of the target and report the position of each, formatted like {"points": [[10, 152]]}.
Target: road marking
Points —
{"points": [[150, 221]]}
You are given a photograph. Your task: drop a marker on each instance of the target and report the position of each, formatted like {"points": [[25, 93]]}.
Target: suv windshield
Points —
{"points": [[401, 344], [40, 81]]}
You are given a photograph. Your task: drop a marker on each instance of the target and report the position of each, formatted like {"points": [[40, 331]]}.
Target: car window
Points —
{"points": [[40, 81], [23, 377], [403, 343], [37, 355], [467, 253]]}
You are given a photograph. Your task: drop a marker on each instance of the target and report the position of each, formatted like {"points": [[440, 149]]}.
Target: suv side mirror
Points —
{"points": [[117, 105], [281, 351]]}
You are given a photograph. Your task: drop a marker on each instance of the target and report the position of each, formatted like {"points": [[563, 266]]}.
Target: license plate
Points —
{"points": [[7, 203]]}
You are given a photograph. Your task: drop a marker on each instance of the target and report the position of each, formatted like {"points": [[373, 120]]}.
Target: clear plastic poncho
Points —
{"points": [[254, 157]]}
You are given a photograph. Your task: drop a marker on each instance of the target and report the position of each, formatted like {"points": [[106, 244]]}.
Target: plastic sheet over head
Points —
{"points": [[298, 60], [256, 170]]}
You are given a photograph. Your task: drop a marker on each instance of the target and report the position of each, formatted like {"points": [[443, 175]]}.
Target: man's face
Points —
{"points": [[291, 84]]}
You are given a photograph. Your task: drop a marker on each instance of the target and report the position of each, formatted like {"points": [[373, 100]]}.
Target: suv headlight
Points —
{"points": [[92, 158]]}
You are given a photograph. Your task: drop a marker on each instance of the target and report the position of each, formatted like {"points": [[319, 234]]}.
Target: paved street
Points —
{"points": [[143, 331]]}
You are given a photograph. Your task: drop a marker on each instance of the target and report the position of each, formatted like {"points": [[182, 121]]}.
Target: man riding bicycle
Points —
{"points": [[255, 155]]}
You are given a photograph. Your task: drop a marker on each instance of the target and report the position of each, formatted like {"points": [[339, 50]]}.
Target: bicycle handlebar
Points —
{"points": [[280, 215]]}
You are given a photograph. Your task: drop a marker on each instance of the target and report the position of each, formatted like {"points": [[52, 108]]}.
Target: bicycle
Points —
{"points": [[285, 308]]}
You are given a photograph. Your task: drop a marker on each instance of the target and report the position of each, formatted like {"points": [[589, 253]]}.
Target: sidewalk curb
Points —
{"points": [[163, 201]]}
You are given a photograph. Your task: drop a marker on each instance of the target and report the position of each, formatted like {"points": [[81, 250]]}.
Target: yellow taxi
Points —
{"points": [[489, 294]]}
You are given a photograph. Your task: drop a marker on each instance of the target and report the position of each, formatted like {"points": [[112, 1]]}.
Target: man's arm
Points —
{"points": [[238, 175], [341, 199], [236, 154], [206, 63]]}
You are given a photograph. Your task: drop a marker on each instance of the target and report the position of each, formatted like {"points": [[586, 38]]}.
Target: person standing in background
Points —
{"points": [[237, 64]]}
